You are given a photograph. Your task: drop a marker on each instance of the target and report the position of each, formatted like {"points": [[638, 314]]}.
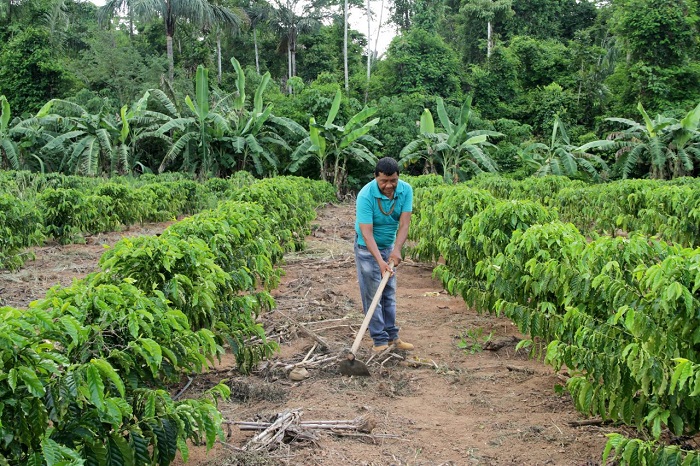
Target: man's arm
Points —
{"points": [[401, 235], [367, 230]]}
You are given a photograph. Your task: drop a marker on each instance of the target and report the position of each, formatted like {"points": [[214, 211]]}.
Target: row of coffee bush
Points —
{"points": [[619, 312], [35, 208], [85, 371]]}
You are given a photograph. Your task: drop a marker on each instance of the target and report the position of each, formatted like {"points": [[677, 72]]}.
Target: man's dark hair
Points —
{"points": [[386, 165]]}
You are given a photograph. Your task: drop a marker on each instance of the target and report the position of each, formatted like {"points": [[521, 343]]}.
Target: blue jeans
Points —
{"points": [[382, 327]]}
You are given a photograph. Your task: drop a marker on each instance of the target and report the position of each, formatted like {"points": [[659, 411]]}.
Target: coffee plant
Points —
{"points": [[70, 213], [439, 214], [619, 312], [84, 371], [78, 371], [21, 226]]}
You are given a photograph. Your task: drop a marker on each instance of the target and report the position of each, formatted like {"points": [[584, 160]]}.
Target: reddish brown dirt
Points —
{"points": [[464, 407], [57, 264]]}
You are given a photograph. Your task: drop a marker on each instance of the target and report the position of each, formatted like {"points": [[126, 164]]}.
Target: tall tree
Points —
{"points": [[420, 61], [660, 33], [488, 11], [259, 12], [31, 73], [219, 29], [289, 19], [345, 44], [423, 14], [549, 19], [200, 12]]}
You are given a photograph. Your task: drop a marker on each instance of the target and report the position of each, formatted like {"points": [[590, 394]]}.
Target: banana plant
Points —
{"points": [[86, 141], [254, 132], [454, 148], [194, 135], [139, 123], [425, 147], [332, 146], [685, 141], [560, 157], [129, 134], [20, 140], [9, 153]]}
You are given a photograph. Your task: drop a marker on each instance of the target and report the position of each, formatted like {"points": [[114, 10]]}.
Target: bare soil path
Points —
{"points": [[464, 403]]}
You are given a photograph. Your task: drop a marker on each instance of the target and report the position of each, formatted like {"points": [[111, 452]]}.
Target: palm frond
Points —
{"points": [[277, 140], [104, 140], [362, 153], [61, 139], [567, 161], [300, 155], [631, 123], [288, 124], [67, 108], [685, 159], [631, 158], [411, 148], [177, 123], [122, 158], [555, 167], [657, 152], [9, 150], [164, 101], [480, 158], [91, 163], [588, 167], [176, 149]]}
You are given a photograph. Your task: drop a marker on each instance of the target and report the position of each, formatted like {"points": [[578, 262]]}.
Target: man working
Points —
{"points": [[383, 215]]}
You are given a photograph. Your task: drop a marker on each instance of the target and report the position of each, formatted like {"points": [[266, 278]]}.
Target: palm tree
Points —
{"points": [[200, 12], [221, 28], [660, 146], [560, 157], [259, 13], [487, 10], [112, 7], [288, 24], [56, 20]]}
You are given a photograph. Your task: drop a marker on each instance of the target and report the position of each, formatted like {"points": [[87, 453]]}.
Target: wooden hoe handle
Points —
{"points": [[370, 311]]}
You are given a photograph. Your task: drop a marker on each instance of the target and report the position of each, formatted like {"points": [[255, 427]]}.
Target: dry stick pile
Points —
{"points": [[288, 427]]}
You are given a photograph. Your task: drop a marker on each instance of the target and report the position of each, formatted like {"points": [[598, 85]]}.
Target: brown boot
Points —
{"points": [[379, 349], [402, 345]]}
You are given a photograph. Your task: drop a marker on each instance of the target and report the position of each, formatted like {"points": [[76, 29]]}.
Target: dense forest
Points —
{"points": [[587, 89]]}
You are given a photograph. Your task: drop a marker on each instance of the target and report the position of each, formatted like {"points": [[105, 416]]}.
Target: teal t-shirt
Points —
{"points": [[385, 224]]}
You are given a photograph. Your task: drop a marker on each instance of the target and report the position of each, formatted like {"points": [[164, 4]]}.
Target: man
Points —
{"points": [[383, 215]]}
